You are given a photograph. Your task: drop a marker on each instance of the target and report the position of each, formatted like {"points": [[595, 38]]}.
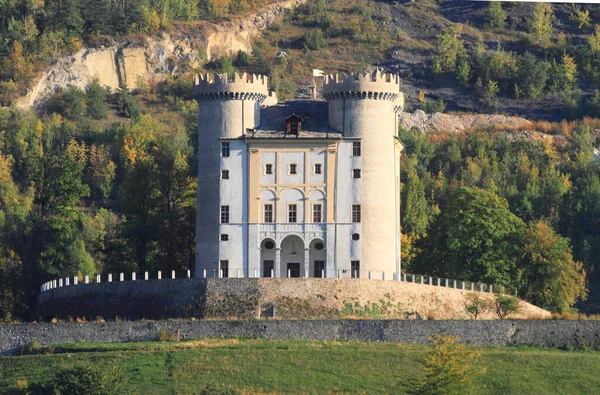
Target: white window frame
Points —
{"points": [[265, 213], [225, 149], [356, 148], [320, 212], [359, 213], [289, 212], [224, 214]]}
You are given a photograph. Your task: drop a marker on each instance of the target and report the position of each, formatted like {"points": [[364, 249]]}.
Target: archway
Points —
{"points": [[317, 258], [267, 258], [292, 257]]}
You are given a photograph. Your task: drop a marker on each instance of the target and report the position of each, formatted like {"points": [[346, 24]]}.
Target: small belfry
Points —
{"points": [[302, 188]]}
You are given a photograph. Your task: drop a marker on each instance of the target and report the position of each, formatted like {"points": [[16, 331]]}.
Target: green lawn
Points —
{"points": [[305, 367]]}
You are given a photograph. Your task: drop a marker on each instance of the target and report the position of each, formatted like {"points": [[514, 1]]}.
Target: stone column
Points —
{"points": [[306, 261], [278, 262]]}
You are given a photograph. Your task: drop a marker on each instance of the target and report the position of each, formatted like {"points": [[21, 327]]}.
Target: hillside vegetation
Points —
{"points": [[256, 366], [104, 182]]}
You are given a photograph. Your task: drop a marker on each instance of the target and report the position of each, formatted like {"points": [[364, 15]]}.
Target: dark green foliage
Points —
{"points": [[242, 59], [505, 305], [96, 100], [313, 40], [88, 380], [222, 65], [476, 238], [127, 105], [70, 104]]}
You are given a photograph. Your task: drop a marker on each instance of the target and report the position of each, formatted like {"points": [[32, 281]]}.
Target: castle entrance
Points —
{"points": [[317, 259], [292, 262]]}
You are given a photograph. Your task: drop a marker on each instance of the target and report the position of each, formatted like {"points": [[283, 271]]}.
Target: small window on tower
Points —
{"points": [[356, 213], [356, 148], [293, 168], [225, 174], [318, 169], [224, 237], [356, 173], [225, 150], [268, 168], [224, 214]]}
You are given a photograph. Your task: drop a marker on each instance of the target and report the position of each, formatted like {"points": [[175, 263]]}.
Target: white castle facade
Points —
{"points": [[303, 188]]}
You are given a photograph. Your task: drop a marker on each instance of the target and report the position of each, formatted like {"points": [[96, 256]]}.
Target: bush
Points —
{"points": [[127, 104], [95, 99], [242, 59], [89, 380], [33, 347], [449, 367], [505, 305], [313, 40], [476, 305]]}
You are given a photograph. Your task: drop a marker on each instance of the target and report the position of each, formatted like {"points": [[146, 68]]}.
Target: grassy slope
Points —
{"points": [[306, 367]]}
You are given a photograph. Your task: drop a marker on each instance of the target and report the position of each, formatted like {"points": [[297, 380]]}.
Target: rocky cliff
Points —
{"points": [[152, 58], [439, 122]]}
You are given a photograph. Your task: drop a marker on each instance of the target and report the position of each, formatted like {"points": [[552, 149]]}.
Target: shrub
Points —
{"points": [[242, 59], [476, 304], [505, 305], [496, 15], [313, 40], [89, 380], [127, 104], [33, 347], [449, 367], [165, 336]]}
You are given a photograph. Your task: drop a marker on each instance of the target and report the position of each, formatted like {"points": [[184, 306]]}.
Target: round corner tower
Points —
{"points": [[226, 110], [364, 107]]}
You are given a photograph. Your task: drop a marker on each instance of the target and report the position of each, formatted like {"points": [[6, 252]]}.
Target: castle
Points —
{"points": [[303, 188]]}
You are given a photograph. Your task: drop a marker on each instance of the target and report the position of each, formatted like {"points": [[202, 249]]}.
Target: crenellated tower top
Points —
{"points": [[243, 86], [376, 85]]}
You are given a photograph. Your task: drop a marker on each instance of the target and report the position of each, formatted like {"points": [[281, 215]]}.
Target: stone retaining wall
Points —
{"points": [[242, 298], [517, 332]]}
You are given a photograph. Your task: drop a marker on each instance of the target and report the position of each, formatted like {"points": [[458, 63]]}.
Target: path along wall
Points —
{"points": [[537, 333]]}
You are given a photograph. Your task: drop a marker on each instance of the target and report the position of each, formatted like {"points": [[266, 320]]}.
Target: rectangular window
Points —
{"points": [[356, 213], [356, 173], [225, 150], [225, 174], [224, 270], [292, 213], [356, 148], [224, 214], [293, 168], [317, 213], [355, 269], [268, 213], [318, 168], [268, 168]]}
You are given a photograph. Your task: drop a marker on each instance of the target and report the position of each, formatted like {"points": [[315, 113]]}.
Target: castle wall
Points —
{"points": [[477, 333]]}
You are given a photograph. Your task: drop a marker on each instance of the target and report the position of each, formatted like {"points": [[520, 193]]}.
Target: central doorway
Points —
{"points": [[292, 256], [293, 270]]}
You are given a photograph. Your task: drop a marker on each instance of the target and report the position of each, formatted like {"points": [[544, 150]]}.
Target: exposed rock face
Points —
{"points": [[127, 62], [439, 122]]}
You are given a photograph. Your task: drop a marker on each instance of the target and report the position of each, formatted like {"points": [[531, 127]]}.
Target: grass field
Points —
{"points": [[304, 367]]}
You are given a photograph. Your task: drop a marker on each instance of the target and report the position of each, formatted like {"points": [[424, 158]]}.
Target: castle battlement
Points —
{"points": [[243, 86], [375, 85]]}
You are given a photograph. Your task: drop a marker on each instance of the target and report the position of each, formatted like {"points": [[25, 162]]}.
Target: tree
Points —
{"points": [[540, 24], [449, 49], [547, 274], [496, 15], [580, 17], [414, 205], [449, 367], [476, 304], [475, 238], [531, 76], [313, 39], [488, 92], [504, 305], [95, 100]]}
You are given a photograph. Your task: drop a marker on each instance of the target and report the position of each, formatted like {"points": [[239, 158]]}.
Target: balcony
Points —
{"points": [[281, 229]]}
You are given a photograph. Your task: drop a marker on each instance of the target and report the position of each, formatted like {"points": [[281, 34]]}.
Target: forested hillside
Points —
{"points": [[96, 181]]}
